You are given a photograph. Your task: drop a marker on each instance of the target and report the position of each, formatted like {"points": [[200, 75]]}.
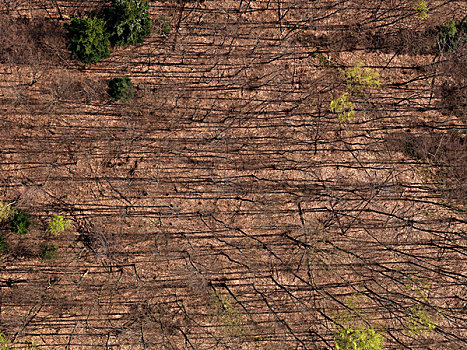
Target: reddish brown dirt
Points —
{"points": [[225, 207]]}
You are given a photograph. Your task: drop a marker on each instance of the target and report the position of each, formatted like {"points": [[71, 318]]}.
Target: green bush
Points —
{"points": [[58, 224], [128, 22], [163, 25], [48, 251], [451, 35], [121, 89], [4, 246], [422, 9], [228, 315], [420, 320], [360, 79], [88, 40], [20, 222], [4, 343], [358, 339], [343, 107], [6, 211]]}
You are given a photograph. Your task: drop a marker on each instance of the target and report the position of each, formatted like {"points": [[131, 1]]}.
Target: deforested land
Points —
{"points": [[233, 174]]}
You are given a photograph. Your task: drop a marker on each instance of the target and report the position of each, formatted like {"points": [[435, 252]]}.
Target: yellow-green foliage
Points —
{"points": [[58, 224], [418, 287], [6, 211], [358, 339], [422, 8], [360, 79], [354, 312], [4, 343], [343, 107], [358, 312], [228, 315], [420, 321]]}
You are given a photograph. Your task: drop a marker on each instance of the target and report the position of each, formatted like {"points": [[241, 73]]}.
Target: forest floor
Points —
{"points": [[225, 206]]}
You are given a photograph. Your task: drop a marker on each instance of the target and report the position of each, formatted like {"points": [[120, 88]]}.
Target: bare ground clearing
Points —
{"points": [[225, 207]]}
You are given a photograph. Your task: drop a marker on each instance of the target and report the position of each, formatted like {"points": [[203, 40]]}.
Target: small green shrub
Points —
{"points": [[4, 246], [121, 89], [422, 9], [4, 343], [228, 316], [58, 224], [327, 61], [358, 339], [163, 25], [6, 212], [420, 320], [450, 36], [360, 79], [88, 40], [20, 222], [30, 345], [128, 22], [48, 251], [411, 150], [343, 107]]}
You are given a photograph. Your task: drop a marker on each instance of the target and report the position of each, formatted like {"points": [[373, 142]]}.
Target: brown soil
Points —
{"points": [[225, 207]]}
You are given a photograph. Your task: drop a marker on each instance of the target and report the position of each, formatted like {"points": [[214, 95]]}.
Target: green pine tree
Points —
{"points": [[121, 89], [128, 22], [20, 222], [87, 39]]}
